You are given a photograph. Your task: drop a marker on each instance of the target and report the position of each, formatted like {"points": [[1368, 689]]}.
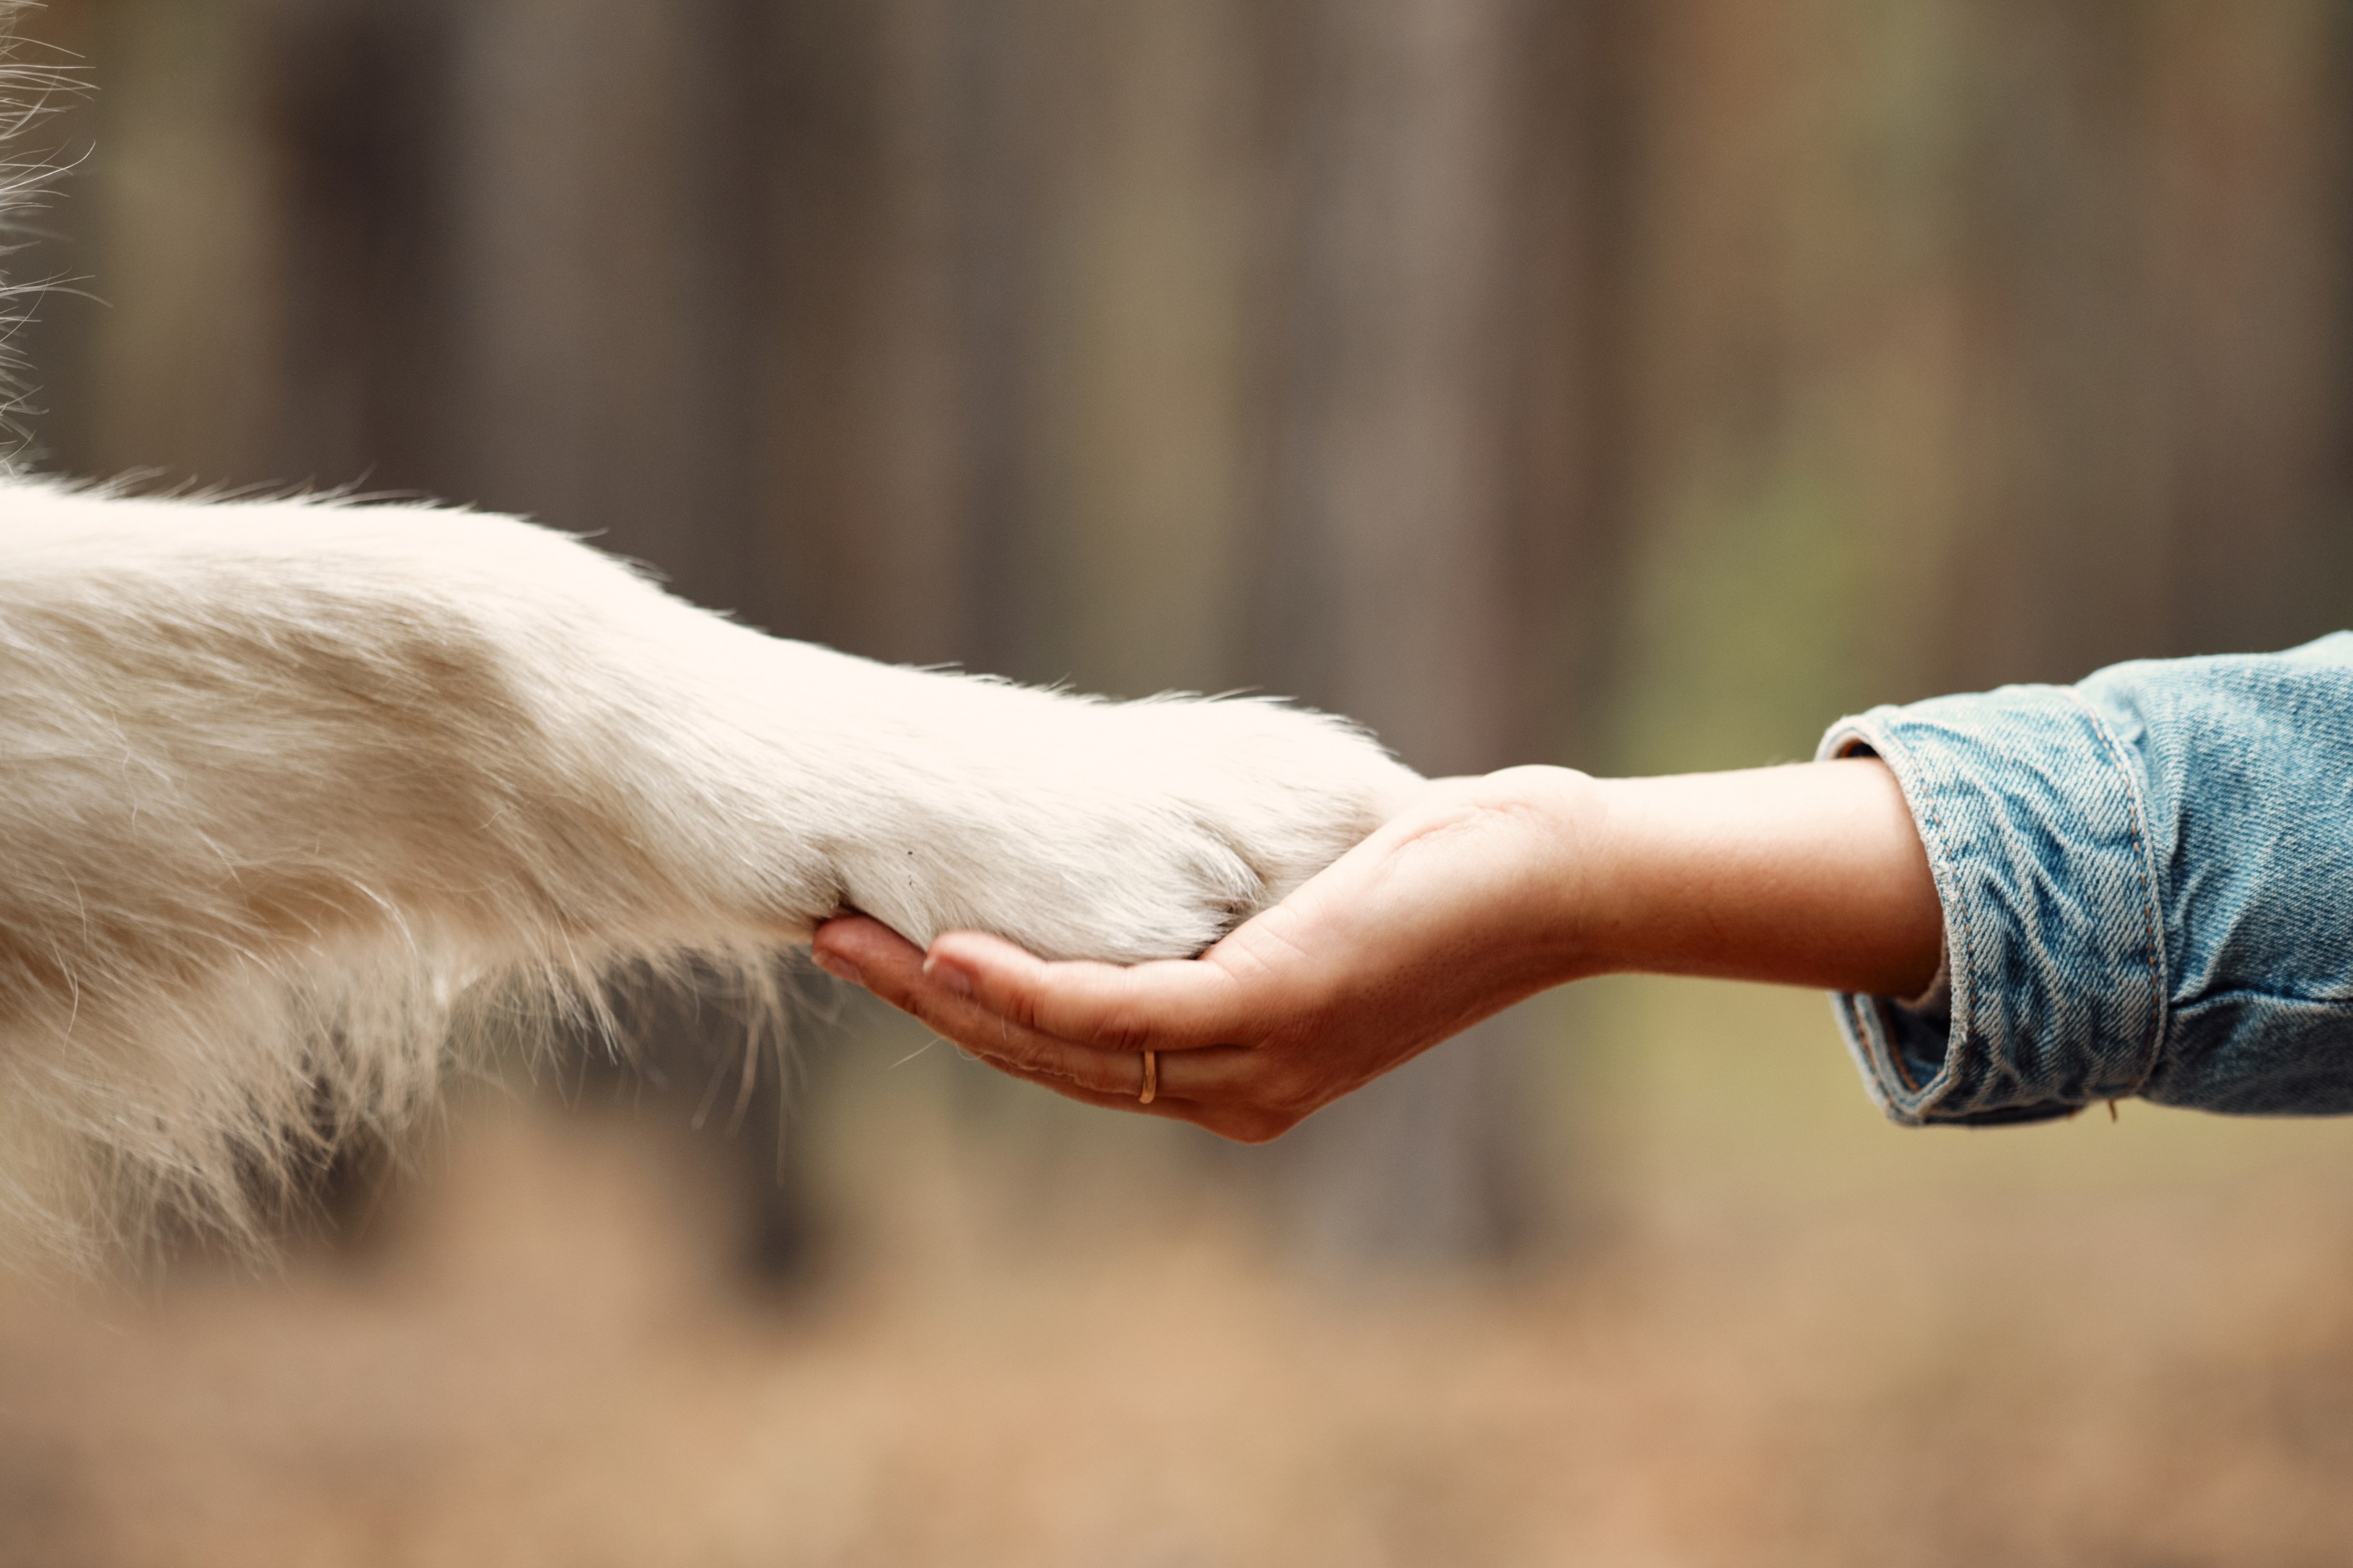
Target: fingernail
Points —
{"points": [[840, 968], [947, 977]]}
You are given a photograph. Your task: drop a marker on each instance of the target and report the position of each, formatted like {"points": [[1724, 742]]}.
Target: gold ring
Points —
{"points": [[1151, 1078]]}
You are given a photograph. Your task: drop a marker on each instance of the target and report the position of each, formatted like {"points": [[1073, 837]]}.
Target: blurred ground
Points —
{"points": [[1788, 1335]]}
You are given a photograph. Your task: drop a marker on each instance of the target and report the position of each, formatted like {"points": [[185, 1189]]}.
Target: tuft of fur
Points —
{"points": [[27, 92], [300, 800]]}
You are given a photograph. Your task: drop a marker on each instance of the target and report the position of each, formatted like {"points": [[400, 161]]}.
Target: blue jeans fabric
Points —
{"points": [[2148, 885]]}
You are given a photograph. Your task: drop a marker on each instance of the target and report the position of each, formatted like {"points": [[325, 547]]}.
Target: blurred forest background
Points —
{"points": [[1635, 387]]}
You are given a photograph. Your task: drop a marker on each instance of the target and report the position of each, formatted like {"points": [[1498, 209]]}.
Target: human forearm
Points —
{"points": [[1484, 892], [2146, 878], [1810, 875]]}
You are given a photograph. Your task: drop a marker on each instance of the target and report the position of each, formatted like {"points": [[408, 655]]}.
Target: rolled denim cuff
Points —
{"points": [[2037, 834]]}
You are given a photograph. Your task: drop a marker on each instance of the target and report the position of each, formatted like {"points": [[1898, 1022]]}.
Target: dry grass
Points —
{"points": [[2127, 1345]]}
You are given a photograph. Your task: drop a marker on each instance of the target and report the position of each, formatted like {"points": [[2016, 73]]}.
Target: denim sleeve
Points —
{"points": [[2147, 886]]}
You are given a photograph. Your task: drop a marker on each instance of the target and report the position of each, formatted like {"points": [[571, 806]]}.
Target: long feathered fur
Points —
{"points": [[300, 800], [296, 796]]}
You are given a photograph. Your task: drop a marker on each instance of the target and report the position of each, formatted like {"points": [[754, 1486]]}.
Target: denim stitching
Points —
{"points": [[2144, 857], [1965, 983]]}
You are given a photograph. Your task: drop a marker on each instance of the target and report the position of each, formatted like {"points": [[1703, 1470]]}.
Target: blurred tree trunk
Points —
{"points": [[864, 441], [1978, 342], [606, 235], [2250, 124], [1448, 324], [2063, 399], [2156, 397], [180, 377], [1160, 263]]}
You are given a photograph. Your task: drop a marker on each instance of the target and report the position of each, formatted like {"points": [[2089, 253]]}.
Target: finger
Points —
{"points": [[1170, 1004], [892, 968], [847, 944], [1161, 1106], [1207, 1086], [1241, 1122], [1205, 1075]]}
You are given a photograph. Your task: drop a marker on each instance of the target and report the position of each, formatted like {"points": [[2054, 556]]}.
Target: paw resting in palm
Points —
{"points": [[1115, 831]]}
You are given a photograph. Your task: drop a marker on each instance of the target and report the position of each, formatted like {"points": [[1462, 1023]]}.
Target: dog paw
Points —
{"points": [[1116, 831]]}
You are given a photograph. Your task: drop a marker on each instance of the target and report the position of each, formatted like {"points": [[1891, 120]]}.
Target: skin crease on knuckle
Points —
{"points": [[1123, 1028], [1012, 996]]}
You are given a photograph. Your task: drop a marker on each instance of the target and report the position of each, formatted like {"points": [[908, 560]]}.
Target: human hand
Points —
{"points": [[1482, 891], [1457, 908]]}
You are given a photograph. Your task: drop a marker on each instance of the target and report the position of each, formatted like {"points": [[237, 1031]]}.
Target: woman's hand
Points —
{"points": [[1453, 910], [1485, 892]]}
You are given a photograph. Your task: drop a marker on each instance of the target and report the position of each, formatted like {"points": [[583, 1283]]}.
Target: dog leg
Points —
{"points": [[295, 794]]}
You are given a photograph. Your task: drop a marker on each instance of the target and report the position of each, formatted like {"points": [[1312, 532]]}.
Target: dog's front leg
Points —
{"points": [[293, 791]]}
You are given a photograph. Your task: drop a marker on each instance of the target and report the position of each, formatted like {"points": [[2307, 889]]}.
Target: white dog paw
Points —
{"points": [[1120, 831]]}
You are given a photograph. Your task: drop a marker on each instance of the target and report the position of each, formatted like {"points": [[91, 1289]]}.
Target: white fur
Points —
{"points": [[300, 799], [293, 795]]}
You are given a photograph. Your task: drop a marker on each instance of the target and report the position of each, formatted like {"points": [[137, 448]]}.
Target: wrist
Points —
{"points": [[1810, 874], [1564, 902], [1622, 906]]}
